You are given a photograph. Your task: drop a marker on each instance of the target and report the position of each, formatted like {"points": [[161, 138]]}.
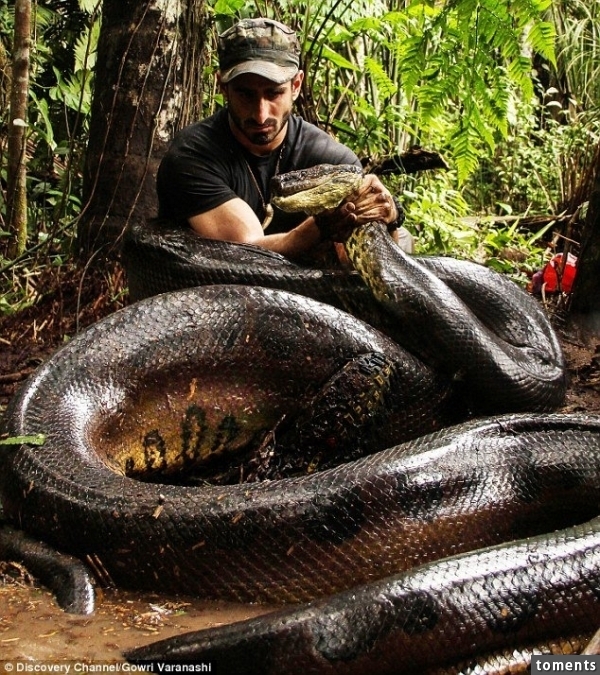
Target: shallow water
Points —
{"points": [[34, 630]]}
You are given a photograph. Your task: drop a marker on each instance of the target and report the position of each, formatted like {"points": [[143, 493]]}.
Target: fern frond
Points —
{"points": [[519, 71], [465, 142], [86, 46], [542, 38], [387, 88]]}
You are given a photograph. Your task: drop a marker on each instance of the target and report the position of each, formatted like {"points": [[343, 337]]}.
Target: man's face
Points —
{"points": [[259, 109]]}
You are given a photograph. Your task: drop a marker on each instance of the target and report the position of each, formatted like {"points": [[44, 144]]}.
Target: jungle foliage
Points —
{"points": [[506, 90]]}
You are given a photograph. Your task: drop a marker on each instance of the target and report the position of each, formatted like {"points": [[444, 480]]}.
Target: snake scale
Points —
{"points": [[444, 542]]}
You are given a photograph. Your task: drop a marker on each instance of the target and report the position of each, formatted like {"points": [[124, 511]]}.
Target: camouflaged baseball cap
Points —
{"points": [[260, 46]]}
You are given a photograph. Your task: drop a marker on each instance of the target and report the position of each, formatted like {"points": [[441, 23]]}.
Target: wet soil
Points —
{"points": [[32, 628]]}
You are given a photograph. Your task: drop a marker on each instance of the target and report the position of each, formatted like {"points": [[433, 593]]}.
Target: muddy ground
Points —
{"points": [[32, 627]]}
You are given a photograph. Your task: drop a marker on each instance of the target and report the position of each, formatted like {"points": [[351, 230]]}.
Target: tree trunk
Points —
{"points": [[148, 85], [17, 131], [586, 290]]}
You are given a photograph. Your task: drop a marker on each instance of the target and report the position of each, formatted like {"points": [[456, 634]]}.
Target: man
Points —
{"points": [[215, 176]]}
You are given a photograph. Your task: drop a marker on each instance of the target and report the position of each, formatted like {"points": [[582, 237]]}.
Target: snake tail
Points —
{"points": [[67, 577]]}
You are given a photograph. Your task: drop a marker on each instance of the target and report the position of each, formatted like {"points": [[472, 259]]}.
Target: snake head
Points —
{"points": [[315, 189]]}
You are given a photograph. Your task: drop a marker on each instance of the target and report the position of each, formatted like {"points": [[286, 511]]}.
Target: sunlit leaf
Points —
{"points": [[36, 439]]}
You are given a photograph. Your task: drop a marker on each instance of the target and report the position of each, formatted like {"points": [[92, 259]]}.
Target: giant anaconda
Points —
{"points": [[462, 540], [471, 323]]}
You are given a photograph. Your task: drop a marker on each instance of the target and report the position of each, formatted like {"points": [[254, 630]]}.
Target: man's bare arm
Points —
{"points": [[235, 221]]}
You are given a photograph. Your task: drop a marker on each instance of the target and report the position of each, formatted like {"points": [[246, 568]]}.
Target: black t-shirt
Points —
{"points": [[206, 166]]}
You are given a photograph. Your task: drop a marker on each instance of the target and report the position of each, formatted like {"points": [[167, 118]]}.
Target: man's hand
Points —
{"points": [[373, 201], [337, 224]]}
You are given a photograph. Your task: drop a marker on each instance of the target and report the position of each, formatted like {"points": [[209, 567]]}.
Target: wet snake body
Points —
{"points": [[432, 528], [458, 609], [464, 319]]}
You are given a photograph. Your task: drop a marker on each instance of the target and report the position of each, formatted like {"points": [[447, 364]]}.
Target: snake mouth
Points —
{"points": [[293, 182], [315, 189]]}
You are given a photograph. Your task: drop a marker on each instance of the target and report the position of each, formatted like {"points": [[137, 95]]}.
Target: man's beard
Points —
{"points": [[259, 134]]}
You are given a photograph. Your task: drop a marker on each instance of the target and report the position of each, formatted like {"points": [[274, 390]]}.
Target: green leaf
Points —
{"points": [[36, 439], [465, 146], [386, 87], [45, 128], [337, 59], [542, 37], [86, 47], [90, 6], [228, 7], [366, 24]]}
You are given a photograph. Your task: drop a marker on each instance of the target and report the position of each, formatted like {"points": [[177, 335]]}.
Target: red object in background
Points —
{"points": [[550, 274]]}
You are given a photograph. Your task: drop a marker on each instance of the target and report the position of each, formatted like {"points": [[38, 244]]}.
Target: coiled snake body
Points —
{"points": [[177, 382]]}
